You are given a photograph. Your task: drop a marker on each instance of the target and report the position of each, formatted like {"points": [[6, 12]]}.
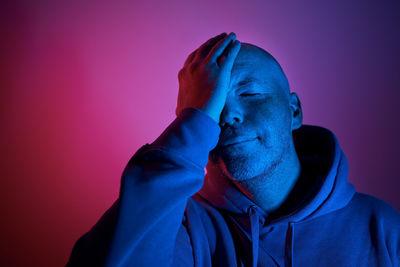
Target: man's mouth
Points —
{"points": [[233, 142]]}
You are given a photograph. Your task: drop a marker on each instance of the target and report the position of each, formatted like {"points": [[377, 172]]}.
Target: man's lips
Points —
{"points": [[237, 141]]}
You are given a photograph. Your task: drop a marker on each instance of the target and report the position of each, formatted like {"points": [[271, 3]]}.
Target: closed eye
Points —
{"points": [[249, 94]]}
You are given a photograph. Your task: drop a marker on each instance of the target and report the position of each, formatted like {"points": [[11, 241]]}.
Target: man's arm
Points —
{"points": [[142, 225], [155, 188]]}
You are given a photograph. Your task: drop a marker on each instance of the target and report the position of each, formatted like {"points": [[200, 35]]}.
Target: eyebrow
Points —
{"points": [[247, 80]]}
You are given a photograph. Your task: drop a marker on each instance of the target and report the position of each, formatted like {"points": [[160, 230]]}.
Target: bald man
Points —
{"points": [[276, 192]]}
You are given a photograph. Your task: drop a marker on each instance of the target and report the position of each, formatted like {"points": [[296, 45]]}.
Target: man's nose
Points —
{"points": [[230, 115]]}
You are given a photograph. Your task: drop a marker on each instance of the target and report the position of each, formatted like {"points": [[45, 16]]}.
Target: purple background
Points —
{"points": [[83, 86]]}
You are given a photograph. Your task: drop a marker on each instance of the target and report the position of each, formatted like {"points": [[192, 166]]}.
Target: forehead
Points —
{"points": [[251, 66]]}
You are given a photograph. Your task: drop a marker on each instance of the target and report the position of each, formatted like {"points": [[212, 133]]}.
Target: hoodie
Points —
{"points": [[169, 213]]}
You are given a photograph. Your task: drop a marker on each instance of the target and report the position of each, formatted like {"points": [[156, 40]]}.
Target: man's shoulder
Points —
{"points": [[200, 209], [201, 206], [377, 208]]}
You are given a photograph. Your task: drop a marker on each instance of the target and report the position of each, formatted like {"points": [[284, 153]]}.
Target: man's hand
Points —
{"points": [[205, 77]]}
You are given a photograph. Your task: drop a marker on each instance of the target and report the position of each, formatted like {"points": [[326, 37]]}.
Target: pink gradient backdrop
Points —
{"points": [[83, 86]]}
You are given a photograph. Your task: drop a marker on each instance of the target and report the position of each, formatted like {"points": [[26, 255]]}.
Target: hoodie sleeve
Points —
{"points": [[141, 227]]}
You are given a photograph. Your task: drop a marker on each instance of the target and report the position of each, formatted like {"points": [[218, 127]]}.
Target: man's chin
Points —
{"points": [[235, 168]]}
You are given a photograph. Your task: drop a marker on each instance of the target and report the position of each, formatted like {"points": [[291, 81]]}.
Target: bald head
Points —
{"points": [[255, 59]]}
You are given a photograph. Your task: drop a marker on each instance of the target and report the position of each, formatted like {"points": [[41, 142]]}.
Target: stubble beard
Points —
{"points": [[245, 167]]}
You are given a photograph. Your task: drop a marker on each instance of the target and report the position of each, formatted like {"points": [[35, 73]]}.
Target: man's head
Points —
{"points": [[259, 116]]}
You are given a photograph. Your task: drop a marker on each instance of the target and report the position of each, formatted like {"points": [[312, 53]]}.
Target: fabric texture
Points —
{"points": [[169, 213]]}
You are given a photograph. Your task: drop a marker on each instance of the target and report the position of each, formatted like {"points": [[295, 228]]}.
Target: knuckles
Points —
{"points": [[193, 67]]}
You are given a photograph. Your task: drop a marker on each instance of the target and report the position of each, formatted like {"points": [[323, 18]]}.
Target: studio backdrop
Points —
{"points": [[84, 84]]}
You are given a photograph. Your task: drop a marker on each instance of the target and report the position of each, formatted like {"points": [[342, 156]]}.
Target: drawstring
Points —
{"points": [[290, 252], [289, 256], [255, 233], [255, 236]]}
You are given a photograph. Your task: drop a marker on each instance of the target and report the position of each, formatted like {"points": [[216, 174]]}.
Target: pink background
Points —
{"points": [[83, 86]]}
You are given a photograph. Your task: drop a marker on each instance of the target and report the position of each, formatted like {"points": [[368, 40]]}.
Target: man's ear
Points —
{"points": [[297, 113]]}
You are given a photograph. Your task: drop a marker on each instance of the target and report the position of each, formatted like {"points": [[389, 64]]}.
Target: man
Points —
{"points": [[275, 193]]}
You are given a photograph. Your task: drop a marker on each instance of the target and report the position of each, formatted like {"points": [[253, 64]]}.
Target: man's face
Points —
{"points": [[256, 118]]}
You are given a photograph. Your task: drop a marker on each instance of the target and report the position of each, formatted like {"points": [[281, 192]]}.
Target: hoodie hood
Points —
{"points": [[321, 159]]}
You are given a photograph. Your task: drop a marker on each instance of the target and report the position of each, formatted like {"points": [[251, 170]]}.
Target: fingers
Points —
{"points": [[220, 47], [190, 57], [230, 55], [204, 49], [210, 42]]}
